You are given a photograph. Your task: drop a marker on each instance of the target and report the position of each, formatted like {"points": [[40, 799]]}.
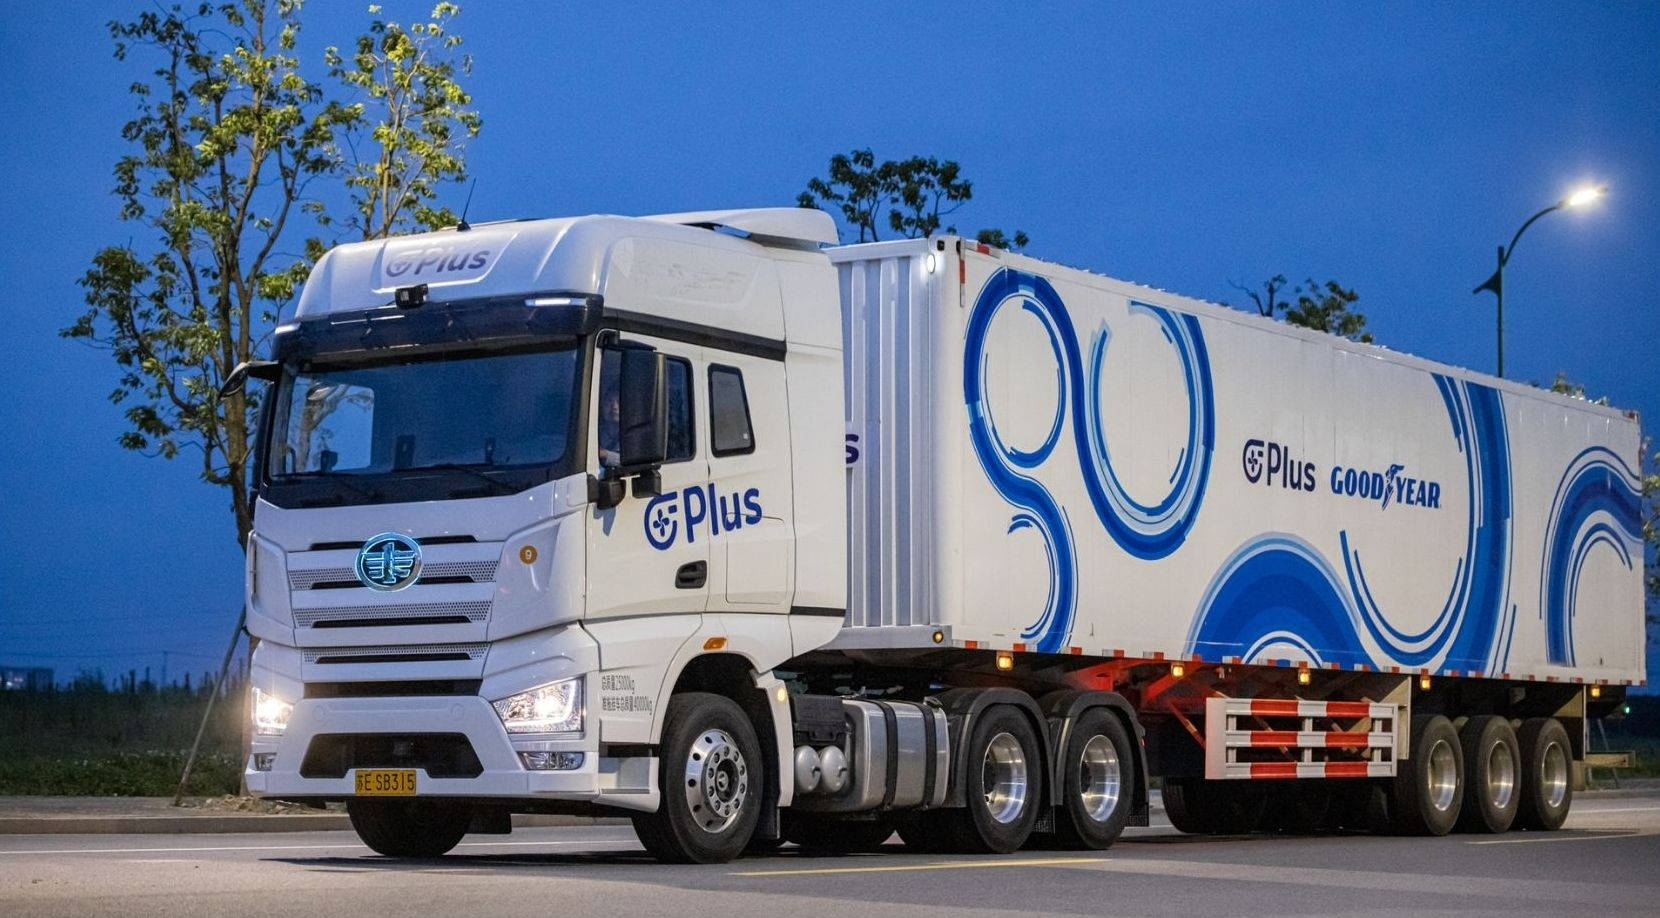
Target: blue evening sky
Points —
{"points": [[1389, 146]]}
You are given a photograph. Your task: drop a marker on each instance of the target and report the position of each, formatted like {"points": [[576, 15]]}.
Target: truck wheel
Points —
{"points": [[1098, 782], [410, 828], [1547, 767], [815, 832], [1201, 807], [1492, 777], [1183, 807], [1003, 785], [1428, 792], [711, 783]]}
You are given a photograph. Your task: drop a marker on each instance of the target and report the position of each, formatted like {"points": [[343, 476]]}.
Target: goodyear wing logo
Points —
{"points": [[389, 561]]}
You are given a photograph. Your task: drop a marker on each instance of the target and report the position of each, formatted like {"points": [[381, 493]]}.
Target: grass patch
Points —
{"points": [[88, 740]]}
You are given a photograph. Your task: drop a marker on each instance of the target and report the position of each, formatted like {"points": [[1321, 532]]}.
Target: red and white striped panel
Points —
{"points": [[1311, 735], [1310, 770]]}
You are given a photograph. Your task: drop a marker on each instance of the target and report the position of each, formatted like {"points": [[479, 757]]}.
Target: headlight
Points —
{"points": [[270, 714], [552, 708]]}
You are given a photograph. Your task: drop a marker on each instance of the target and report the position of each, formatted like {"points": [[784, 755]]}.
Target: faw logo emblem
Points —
{"points": [[678, 515], [389, 562]]}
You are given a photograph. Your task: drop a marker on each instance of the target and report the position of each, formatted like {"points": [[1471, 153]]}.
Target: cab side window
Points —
{"points": [[682, 442], [682, 432], [730, 432]]}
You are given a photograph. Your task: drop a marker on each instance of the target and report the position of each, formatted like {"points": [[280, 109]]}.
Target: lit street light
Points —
{"points": [[1580, 198]]}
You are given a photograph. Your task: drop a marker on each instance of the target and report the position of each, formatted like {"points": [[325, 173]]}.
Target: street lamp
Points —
{"points": [[1580, 198]]}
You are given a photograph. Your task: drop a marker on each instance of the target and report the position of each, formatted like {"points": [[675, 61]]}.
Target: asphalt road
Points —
{"points": [[1605, 862]]}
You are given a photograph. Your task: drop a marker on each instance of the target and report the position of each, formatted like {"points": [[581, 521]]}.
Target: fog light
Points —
{"points": [[551, 761], [264, 761]]}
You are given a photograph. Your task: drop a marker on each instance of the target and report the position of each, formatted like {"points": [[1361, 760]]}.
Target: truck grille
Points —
{"points": [[326, 578], [425, 613], [406, 653]]}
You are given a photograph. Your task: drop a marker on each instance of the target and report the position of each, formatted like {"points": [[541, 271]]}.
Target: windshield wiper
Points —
{"points": [[472, 469]]}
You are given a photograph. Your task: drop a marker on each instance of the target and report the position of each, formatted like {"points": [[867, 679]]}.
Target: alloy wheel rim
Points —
{"points": [[1501, 776], [1003, 776], [1441, 775], [1553, 774], [1100, 777], [717, 781]]}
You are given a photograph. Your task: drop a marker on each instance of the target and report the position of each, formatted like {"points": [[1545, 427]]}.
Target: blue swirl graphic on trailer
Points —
{"points": [[1278, 591], [1598, 502], [1145, 530], [1278, 594]]}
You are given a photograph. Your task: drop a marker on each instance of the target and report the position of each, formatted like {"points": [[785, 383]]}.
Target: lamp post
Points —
{"points": [[1496, 283]]}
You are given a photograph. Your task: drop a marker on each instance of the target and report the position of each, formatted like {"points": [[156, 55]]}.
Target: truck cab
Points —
{"points": [[517, 483]]}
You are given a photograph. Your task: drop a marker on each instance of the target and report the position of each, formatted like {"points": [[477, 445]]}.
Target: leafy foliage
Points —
{"points": [[1325, 307], [233, 154], [909, 196], [397, 158], [1266, 302], [1322, 307]]}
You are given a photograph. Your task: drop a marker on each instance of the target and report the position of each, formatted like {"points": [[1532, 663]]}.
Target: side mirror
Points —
{"points": [[643, 428], [267, 370]]}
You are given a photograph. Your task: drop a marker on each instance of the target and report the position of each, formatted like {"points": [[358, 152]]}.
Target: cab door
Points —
{"points": [[643, 557], [752, 566]]}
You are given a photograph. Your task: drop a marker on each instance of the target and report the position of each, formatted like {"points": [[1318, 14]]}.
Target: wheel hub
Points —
{"points": [[717, 780], [1100, 777], [1003, 778]]}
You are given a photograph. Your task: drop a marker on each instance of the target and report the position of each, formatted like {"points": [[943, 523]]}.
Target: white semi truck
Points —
{"points": [[704, 519]]}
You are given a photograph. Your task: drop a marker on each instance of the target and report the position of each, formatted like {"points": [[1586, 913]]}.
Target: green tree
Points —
{"points": [[910, 196], [406, 138], [1326, 307], [1267, 302], [235, 153]]}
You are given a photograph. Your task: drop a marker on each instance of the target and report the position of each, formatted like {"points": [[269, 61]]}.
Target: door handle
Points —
{"points": [[692, 576]]}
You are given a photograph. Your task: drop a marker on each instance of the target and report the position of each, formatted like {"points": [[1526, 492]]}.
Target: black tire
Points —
{"points": [[1098, 761], [821, 834], [423, 827], [1297, 807], [1492, 775], [1428, 791], [1184, 807], [1201, 807], [1004, 747], [1547, 774], [712, 779]]}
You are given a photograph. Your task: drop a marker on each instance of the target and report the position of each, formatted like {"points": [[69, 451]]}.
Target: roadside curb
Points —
{"points": [[232, 823]]}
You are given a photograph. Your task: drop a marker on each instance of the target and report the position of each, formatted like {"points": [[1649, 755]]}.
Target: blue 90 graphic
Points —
{"points": [[1145, 530]]}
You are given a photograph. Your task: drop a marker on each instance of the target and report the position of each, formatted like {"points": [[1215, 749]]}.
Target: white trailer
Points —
{"points": [[701, 518]]}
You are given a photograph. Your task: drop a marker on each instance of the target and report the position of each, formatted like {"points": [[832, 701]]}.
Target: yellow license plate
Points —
{"points": [[384, 782]]}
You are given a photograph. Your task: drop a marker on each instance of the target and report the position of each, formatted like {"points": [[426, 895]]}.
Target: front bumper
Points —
{"points": [[472, 717]]}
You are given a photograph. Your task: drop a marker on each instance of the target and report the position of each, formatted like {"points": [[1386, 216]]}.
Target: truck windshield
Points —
{"points": [[350, 434]]}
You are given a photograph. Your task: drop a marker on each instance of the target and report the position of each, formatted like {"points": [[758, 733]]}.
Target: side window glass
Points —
{"points": [[729, 427], [682, 442], [678, 382]]}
